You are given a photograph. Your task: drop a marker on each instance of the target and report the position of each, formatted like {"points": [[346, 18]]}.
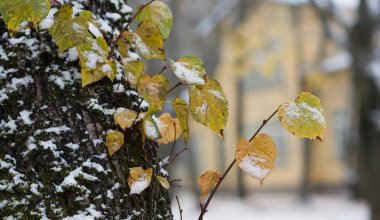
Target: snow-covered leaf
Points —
{"points": [[209, 106], [304, 118], [182, 112], [207, 181], [153, 89], [69, 32], [15, 12], [93, 61], [139, 179], [149, 41], [256, 158], [169, 127], [160, 14], [189, 69], [163, 182], [114, 141], [150, 128], [133, 70], [125, 117]]}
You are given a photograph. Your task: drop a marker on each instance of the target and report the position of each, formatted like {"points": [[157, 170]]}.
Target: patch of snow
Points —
{"points": [[250, 164], [217, 94], [48, 21], [113, 16], [72, 146], [139, 185], [94, 30], [25, 116], [150, 130], [188, 74]]}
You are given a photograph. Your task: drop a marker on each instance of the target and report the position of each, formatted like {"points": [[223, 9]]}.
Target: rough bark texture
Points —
{"points": [[56, 165], [366, 87]]}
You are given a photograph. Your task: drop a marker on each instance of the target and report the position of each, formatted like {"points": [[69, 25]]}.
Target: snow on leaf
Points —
{"points": [[151, 130], [149, 41], [163, 182], [169, 127], [207, 107], [207, 181], [189, 69], [125, 117], [133, 70], [114, 141], [15, 12], [153, 89], [93, 61], [304, 118], [160, 14], [70, 32], [139, 179], [182, 112], [256, 158]]}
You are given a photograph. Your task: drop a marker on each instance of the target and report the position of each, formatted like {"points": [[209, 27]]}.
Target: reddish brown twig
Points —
{"points": [[204, 207]]}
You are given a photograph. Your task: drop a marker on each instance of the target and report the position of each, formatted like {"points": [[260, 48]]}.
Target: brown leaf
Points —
{"points": [[207, 181]]}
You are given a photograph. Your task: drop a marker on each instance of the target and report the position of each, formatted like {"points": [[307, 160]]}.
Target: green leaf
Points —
{"points": [[133, 70], [256, 158], [160, 14], [209, 106], [153, 89], [124, 43], [189, 69], [149, 41], [70, 32], [93, 61], [125, 117], [15, 12], [182, 112], [304, 118], [114, 141]]}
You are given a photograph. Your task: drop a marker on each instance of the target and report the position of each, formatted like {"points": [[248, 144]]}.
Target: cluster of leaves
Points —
{"points": [[207, 102]]}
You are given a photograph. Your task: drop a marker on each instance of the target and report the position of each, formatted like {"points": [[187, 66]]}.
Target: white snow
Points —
{"points": [[139, 185], [73, 54], [217, 94], [24, 81], [118, 88], [10, 125], [94, 30], [25, 116], [274, 206], [50, 145], [69, 180], [188, 74], [95, 105], [250, 165], [201, 110], [113, 16], [48, 21], [72, 146], [125, 9], [106, 68], [150, 130]]}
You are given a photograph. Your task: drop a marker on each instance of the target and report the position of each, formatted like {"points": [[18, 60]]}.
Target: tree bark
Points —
{"points": [[53, 159]]}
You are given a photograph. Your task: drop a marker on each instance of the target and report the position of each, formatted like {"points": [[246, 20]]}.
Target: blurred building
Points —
{"points": [[269, 51]]}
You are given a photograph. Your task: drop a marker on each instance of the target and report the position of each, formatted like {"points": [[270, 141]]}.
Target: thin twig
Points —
{"points": [[174, 142], [204, 207], [179, 207], [163, 69], [175, 86], [115, 40], [177, 154]]}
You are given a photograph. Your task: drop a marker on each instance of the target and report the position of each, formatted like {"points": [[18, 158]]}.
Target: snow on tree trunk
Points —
{"points": [[53, 160]]}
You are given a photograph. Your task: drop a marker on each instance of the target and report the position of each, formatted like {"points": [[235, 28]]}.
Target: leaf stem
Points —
{"points": [[179, 207], [204, 207], [175, 86]]}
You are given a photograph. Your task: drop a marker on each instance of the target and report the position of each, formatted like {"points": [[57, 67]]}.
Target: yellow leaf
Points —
{"points": [[139, 179], [182, 112], [15, 12], [151, 130], [125, 117], [304, 118], [149, 41], [209, 106], [133, 70], [124, 43], [93, 61], [114, 141], [256, 158], [207, 181], [169, 127], [189, 69], [163, 181], [153, 89], [70, 32], [160, 14]]}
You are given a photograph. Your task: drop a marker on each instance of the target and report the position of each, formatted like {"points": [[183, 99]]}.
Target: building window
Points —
{"points": [[341, 125]]}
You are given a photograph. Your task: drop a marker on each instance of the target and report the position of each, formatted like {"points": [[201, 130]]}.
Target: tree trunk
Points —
{"points": [[366, 91], [53, 159]]}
